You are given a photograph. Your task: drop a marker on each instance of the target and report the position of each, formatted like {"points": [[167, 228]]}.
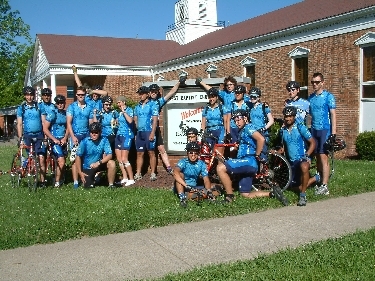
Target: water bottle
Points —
{"points": [[24, 162]]}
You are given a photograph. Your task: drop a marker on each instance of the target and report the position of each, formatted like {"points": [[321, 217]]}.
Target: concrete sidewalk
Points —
{"points": [[156, 252]]}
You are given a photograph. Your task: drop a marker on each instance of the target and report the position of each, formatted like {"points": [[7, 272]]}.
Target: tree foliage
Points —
{"points": [[14, 54]]}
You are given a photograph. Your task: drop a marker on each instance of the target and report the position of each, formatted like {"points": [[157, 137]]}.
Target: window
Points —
{"points": [[301, 75], [367, 44], [300, 69], [250, 72], [249, 69], [70, 92]]}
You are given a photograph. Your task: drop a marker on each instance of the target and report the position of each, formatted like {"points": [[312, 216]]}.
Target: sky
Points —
{"points": [[145, 19]]}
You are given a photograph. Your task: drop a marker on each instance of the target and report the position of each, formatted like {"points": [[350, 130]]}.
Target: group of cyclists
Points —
{"points": [[95, 132]]}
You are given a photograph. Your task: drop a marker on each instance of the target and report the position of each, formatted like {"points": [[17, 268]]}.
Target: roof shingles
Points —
{"points": [[89, 50]]}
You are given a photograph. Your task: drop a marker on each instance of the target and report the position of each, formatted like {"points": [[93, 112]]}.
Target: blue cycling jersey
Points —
{"points": [[107, 119], [46, 108], [247, 144], [214, 118], [124, 127], [294, 141], [80, 116], [144, 113], [257, 115], [303, 108], [57, 120], [234, 106], [92, 151], [227, 98], [192, 170], [320, 106], [31, 118]]}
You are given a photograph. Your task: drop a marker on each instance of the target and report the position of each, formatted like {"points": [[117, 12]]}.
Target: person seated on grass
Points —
{"points": [[94, 154], [293, 137], [187, 172], [250, 144], [192, 134]]}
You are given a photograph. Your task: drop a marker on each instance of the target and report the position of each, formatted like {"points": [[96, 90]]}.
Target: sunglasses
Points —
{"points": [[46, 95], [60, 103], [80, 95], [106, 104], [253, 97], [315, 82], [193, 152], [291, 89], [94, 132], [191, 136]]}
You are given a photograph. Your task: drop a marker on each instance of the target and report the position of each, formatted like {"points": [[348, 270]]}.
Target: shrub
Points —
{"points": [[365, 145], [274, 130]]}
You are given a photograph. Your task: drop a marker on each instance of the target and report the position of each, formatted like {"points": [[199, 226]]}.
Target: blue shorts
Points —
{"points": [[142, 142], [320, 137], [235, 134], [123, 142], [218, 134], [37, 140], [59, 150], [296, 173], [244, 168], [79, 137]]}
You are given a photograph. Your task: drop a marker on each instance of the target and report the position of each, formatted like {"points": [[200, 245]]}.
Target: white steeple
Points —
{"points": [[193, 19]]}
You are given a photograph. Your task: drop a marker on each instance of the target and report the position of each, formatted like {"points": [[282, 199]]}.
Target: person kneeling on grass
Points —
{"points": [[250, 145], [293, 137], [94, 154], [187, 172]]}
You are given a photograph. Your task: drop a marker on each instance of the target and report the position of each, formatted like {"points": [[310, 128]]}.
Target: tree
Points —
{"points": [[14, 55]]}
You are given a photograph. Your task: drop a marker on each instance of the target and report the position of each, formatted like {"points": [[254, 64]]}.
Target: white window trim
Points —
{"points": [[296, 53], [366, 40], [248, 61]]}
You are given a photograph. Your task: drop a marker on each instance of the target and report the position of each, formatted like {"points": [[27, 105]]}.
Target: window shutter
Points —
{"points": [[369, 64]]}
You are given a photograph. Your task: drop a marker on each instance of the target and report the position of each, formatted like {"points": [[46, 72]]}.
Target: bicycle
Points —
{"points": [[22, 167], [276, 170]]}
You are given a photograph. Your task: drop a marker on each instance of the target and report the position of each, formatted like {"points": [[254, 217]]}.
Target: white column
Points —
{"points": [[53, 86]]}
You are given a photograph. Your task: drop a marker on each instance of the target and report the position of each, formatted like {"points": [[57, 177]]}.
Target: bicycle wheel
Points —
{"points": [[32, 173], [282, 172], [51, 168], [16, 171]]}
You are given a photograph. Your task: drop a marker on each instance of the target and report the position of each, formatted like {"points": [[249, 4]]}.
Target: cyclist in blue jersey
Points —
{"points": [[323, 127], [30, 129], [146, 115], [108, 118], [94, 155], [212, 119], [294, 136], [260, 116], [187, 172], [300, 104], [240, 102], [124, 140], [160, 101], [54, 128], [46, 105], [78, 117], [250, 144], [226, 95]]}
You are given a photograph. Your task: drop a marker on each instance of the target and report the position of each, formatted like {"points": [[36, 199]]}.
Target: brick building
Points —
{"points": [[334, 37]]}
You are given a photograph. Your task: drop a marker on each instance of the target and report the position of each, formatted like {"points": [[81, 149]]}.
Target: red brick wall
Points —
{"points": [[336, 57]]}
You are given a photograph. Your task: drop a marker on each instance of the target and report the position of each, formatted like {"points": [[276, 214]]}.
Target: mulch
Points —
{"points": [[164, 181]]}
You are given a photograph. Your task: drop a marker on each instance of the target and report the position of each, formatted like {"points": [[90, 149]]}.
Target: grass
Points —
{"points": [[346, 258], [52, 215]]}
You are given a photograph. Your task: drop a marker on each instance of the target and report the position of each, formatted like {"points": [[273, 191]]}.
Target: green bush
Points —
{"points": [[365, 145], [274, 133]]}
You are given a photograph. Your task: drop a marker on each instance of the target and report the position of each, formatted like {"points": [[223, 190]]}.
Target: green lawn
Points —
{"points": [[52, 215], [346, 259]]}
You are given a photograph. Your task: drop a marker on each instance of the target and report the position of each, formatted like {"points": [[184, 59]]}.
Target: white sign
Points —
{"points": [[192, 97], [179, 119]]}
